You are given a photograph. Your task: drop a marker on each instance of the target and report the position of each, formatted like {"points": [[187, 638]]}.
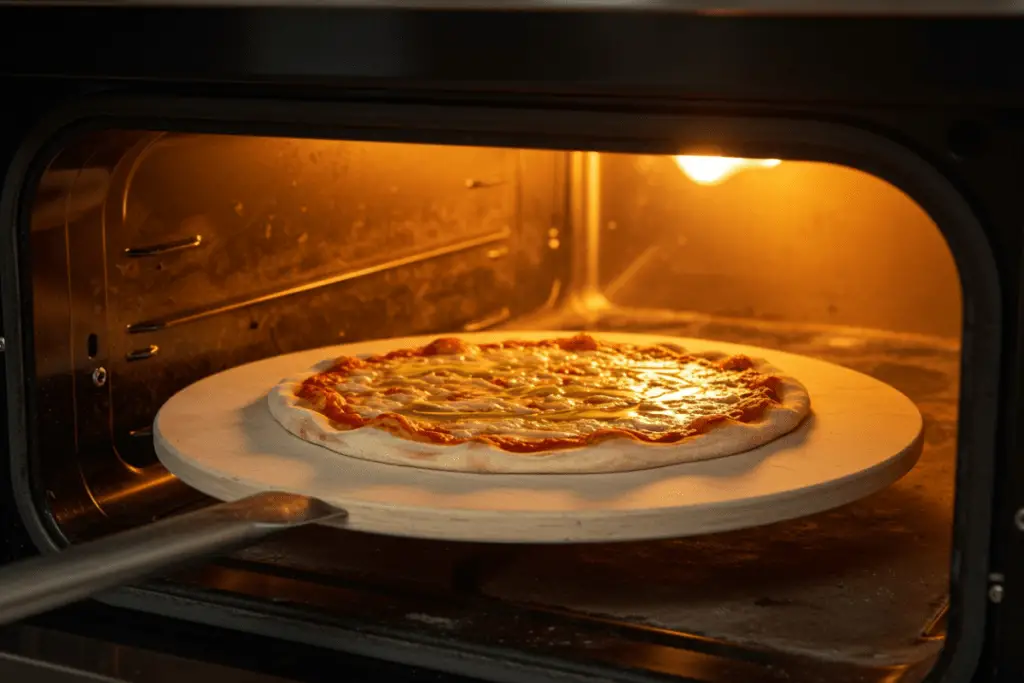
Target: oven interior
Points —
{"points": [[159, 258]]}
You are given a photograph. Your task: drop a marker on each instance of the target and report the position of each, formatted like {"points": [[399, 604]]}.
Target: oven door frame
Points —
{"points": [[737, 132]]}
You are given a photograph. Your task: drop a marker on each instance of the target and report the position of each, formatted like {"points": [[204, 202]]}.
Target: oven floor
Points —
{"points": [[865, 583]]}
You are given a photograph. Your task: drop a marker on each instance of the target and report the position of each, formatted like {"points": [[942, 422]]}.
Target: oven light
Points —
{"points": [[705, 170]]}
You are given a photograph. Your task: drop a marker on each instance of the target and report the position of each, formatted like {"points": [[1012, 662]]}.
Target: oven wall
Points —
{"points": [[800, 243], [160, 259]]}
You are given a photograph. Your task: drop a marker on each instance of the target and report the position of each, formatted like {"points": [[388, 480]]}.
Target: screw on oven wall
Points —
{"points": [[996, 590], [99, 376], [1018, 519]]}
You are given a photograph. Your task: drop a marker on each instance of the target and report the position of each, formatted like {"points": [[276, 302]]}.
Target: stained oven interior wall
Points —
{"points": [[160, 259]]}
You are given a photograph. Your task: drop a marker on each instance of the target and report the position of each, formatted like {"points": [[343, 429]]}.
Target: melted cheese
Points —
{"points": [[543, 392]]}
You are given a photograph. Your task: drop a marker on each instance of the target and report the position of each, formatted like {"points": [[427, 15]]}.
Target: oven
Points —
{"points": [[190, 189]]}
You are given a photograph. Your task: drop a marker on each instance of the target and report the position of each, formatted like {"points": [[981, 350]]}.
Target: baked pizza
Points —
{"points": [[575, 404]]}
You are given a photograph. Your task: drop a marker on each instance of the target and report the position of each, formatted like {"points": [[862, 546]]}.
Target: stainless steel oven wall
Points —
{"points": [[159, 259], [796, 242]]}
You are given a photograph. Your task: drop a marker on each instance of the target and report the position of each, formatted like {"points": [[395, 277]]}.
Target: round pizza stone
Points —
{"points": [[219, 437]]}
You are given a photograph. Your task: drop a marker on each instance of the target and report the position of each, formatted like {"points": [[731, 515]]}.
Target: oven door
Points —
{"points": [[605, 72]]}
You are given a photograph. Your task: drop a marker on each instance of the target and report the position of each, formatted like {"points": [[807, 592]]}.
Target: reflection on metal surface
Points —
{"points": [[935, 629], [585, 221], [155, 325], [66, 195], [43, 583], [489, 321], [165, 248], [148, 480], [16, 668], [142, 433], [142, 354], [474, 184], [712, 170]]}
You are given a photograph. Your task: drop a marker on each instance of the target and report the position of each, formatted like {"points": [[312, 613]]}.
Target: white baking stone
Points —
{"points": [[219, 437]]}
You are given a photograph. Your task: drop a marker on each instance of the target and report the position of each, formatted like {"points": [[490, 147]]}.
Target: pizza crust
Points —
{"points": [[622, 454]]}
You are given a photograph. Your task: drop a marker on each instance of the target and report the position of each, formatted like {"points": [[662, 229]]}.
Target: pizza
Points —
{"points": [[574, 404]]}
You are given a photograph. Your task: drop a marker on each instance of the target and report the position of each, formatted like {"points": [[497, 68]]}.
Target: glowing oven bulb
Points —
{"points": [[705, 170]]}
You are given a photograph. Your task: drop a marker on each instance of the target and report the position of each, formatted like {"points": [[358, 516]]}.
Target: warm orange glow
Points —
{"points": [[709, 170]]}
